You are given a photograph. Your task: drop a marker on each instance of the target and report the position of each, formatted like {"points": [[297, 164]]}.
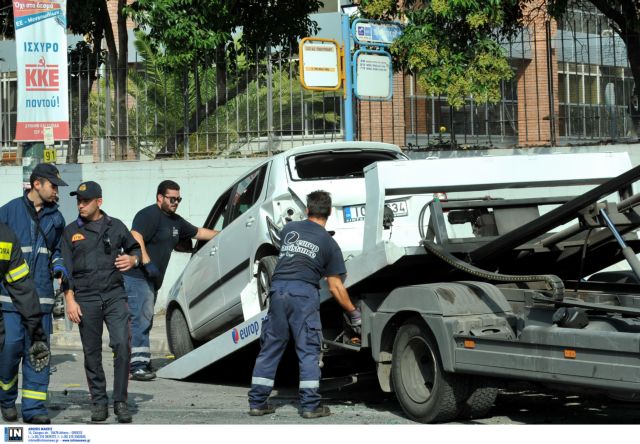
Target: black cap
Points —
{"points": [[50, 172], [88, 190]]}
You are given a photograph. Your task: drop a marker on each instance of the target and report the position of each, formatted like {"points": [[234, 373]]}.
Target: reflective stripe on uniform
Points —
{"points": [[140, 359], [9, 384], [309, 384], [17, 273], [56, 260], [29, 249], [32, 394], [262, 381], [44, 301], [140, 350]]}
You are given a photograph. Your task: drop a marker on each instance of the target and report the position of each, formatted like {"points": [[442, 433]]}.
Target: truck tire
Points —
{"points": [[180, 341], [482, 395], [426, 392], [266, 266]]}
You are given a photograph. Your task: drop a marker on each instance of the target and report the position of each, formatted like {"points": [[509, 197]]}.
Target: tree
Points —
{"points": [[452, 46], [197, 34]]}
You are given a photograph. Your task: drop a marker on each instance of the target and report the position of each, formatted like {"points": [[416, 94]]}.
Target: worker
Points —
{"points": [[308, 254], [158, 229], [35, 219], [97, 248]]}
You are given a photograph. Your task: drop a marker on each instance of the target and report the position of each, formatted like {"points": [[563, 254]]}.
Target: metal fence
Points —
{"points": [[571, 85]]}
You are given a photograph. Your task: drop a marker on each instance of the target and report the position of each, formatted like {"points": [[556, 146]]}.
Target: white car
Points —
{"points": [[206, 299]]}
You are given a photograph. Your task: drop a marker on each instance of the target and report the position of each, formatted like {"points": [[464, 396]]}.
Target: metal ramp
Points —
{"points": [[219, 347]]}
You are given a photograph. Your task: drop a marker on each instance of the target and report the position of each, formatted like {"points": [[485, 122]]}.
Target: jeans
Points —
{"points": [[142, 298]]}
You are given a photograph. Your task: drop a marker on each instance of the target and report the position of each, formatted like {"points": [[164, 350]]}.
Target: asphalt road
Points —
{"points": [[218, 395]]}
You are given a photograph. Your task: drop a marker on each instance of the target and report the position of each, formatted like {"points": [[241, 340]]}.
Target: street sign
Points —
{"points": [[320, 68], [373, 75], [375, 32]]}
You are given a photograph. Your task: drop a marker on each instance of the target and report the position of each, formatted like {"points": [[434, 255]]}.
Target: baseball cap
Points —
{"points": [[50, 172], [88, 190]]}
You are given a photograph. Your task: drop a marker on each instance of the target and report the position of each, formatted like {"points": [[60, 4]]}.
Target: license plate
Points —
{"points": [[355, 213]]}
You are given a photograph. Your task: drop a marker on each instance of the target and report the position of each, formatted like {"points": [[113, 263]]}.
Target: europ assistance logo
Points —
{"points": [[13, 434]]}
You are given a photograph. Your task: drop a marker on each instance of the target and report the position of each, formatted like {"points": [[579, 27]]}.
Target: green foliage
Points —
{"points": [[451, 46]]}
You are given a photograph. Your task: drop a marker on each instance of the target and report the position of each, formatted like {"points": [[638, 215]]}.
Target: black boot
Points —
{"points": [[99, 412], [37, 419], [121, 409], [9, 414]]}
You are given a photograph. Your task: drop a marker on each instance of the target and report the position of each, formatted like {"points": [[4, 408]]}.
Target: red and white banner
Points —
{"points": [[41, 53]]}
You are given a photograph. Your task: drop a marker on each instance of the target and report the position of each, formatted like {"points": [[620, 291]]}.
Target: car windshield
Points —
{"points": [[338, 164]]}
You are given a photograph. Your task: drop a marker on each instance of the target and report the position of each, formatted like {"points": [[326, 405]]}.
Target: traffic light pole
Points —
{"points": [[348, 87]]}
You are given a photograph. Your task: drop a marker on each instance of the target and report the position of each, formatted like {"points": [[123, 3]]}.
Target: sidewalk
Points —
{"points": [[66, 335]]}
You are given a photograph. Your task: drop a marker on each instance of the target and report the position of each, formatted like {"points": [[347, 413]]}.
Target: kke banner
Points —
{"points": [[41, 53]]}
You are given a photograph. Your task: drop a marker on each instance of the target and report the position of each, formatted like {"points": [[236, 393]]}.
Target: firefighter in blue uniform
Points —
{"points": [[14, 273], [38, 224], [308, 254]]}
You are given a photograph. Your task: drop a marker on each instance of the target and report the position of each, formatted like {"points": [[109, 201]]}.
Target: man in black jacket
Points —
{"points": [[14, 274], [96, 249]]}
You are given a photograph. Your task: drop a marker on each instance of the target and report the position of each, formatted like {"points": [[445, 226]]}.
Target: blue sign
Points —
{"points": [[375, 32]]}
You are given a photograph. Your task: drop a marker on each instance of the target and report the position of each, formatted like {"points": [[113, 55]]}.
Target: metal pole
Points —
{"points": [[627, 251], [348, 89]]}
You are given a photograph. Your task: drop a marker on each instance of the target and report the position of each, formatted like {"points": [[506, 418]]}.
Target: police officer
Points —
{"points": [[35, 219], [97, 249], [307, 255], [14, 273]]}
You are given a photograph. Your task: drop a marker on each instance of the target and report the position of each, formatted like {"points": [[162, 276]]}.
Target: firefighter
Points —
{"points": [[35, 219], [97, 249], [308, 254], [19, 286]]}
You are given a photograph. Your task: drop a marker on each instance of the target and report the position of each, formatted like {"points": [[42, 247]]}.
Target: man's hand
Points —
{"points": [[151, 270], [74, 313], [355, 321], [124, 262], [39, 355]]}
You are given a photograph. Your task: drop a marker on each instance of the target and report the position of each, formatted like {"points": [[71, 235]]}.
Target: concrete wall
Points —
{"points": [[129, 186]]}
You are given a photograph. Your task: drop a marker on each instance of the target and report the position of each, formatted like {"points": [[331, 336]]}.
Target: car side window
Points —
{"points": [[217, 216], [246, 193]]}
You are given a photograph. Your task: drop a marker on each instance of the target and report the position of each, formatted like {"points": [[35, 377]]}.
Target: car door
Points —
{"points": [[201, 276], [239, 237]]}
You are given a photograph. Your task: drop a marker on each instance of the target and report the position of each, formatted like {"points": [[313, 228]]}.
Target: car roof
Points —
{"points": [[337, 146]]}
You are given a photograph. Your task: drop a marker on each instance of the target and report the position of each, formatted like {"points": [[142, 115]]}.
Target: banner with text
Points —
{"points": [[41, 53]]}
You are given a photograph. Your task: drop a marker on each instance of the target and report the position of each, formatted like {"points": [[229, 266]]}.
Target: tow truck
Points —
{"points": [[497, 283]]}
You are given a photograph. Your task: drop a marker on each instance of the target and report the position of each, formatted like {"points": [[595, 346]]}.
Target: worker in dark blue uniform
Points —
{"points": [[97, 249], [14, 274], [308, 254], [37, 222]]}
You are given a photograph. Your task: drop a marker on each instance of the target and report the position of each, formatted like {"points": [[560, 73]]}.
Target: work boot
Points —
{"points": [[318, 412], [37, 419], [9, 414], [143, 374], [121, 409], [267, 409], [99, 412]]}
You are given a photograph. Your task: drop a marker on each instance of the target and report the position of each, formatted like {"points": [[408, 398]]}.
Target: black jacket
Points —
{"points": [[15, 277], [89, 255]]}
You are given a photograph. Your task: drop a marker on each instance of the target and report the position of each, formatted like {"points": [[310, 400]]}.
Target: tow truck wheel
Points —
{"points": [[266, 266], [426, 393], [483, 392], [180, 342]]}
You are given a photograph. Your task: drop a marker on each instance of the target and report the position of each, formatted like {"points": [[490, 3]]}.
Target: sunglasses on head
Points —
{"points": [[174, 199]]}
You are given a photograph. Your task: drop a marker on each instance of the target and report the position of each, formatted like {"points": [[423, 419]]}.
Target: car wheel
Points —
{"points": [[180, 341], [425, 391], [266, 266]]}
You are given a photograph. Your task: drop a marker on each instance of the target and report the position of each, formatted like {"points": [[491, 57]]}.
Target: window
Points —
{"points": [[333, 165], [246, 193], [217, 216]]}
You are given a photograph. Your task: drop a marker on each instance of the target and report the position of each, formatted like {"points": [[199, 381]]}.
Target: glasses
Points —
{"points": [[174, 199]]}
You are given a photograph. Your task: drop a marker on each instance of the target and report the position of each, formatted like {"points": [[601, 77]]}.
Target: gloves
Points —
{"points": [[151, 270], [39, 353], [59, 271], [355, 321]]}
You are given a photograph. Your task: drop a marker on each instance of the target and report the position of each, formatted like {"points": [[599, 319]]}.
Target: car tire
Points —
{"points": [[266, 266], [483, 392], [424, 390], [180, 341]]}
